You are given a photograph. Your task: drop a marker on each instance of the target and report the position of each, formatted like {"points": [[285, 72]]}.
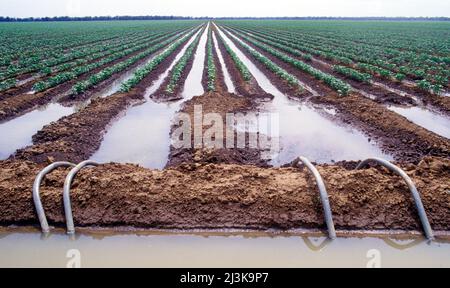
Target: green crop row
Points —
{"points": [[212, 73], [340, 86], [95, 79], [283, 74], [74, 73], [148, 68], [180, 66], [245, 73], [353, 74]]}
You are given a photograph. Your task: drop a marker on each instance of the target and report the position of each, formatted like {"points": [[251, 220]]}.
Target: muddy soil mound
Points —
{"points": [[219, 103], [229, 196]]}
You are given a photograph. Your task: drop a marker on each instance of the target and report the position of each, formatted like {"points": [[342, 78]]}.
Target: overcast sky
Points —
{"points": [[215, 8]]}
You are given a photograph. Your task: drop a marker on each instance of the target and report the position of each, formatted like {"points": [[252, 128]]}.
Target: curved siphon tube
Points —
{"points": [[36, 193], [419, 205], [323, 196], [66, 194]]}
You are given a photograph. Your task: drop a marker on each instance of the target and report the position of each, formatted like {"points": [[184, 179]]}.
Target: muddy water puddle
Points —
{"points": [[305, 132], [18, 133], [425, 118], [142, 136], [182, 250]]}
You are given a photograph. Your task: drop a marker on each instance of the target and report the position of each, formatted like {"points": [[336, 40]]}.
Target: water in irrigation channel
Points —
{"points": [[142, 136], [305, 132], [18, 133], [219, 250], [425, 118], [226, 73]]}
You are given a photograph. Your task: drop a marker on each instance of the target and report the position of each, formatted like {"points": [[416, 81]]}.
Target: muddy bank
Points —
{"points": [[220, 103], [229, 196], [398, 136]]}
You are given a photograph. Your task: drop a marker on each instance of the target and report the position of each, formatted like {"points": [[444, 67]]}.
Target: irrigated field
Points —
{"points": [[340, 92]]}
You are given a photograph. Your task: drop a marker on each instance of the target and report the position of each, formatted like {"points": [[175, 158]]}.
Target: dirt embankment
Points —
{"points": [[229, 196], [219, 103]]}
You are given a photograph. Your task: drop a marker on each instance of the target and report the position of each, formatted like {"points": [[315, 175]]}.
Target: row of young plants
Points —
{"points": [[95, 79], [105, 50], [211, 66], [143, 72], [36, 62], [336, 84], [76, 72], [436, 85], [47, 67], [438, 79], [38, 46], [352, 74], [280, 72], [242, 68], [180, 66]]}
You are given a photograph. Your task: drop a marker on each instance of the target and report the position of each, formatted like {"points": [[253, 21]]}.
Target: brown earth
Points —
{"points": [[220, 103], [213, 196]]}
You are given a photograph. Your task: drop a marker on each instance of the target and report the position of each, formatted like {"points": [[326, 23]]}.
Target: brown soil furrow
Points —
{"points": [[229, 196], [218, 103]]}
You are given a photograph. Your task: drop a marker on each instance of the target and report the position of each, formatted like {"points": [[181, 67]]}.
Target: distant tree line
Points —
{"points": [[122, 18]]}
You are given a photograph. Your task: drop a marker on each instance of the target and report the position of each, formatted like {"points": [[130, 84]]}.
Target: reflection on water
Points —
{"points": [[142, 136], [190, 251], [226, 73], [304, 132], [17, 133], [425, 118], [193, 85]]}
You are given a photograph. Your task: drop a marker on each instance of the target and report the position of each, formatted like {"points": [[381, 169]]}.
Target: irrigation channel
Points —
{"points": [[217, 250]]}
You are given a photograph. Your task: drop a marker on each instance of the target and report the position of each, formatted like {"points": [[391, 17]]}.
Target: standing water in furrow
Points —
{"points": [[142, 136], [304, 132], [18, 133], [226, 73], [425, 118]]}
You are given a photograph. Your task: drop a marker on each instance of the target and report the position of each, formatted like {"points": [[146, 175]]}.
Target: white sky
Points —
{"points": [[216, 8]]}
